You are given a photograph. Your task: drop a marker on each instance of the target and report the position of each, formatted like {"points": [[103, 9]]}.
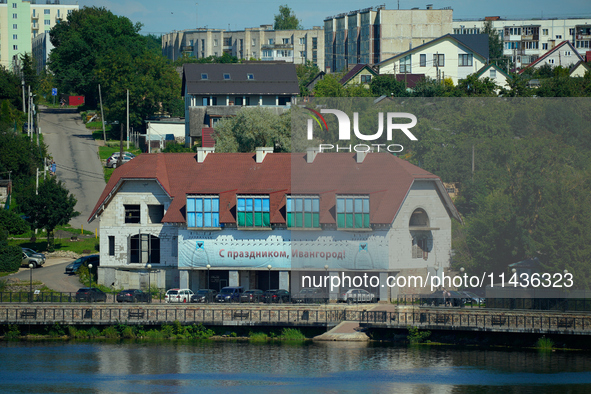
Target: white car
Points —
{"points": [[112, 161], [178, 295], [358, 295]]}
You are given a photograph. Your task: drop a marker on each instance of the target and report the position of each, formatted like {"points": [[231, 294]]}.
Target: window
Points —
{"points": [[421, 245], [155, 213], [226, 77], [204, 76], [571, 32], [545, 32], [46, 22], [215, 54], [302, 40], [203, 211], [493, 73], [286, 40], [14, 5], [15, 47], [365, 78], [14, 16], [550, 61], [46, 11], [144, 249], [271, 41], [111, 245], [58, 13], [132, 213], [254, 42], [250, 76], [302, 54], [228, 42], [314, 42], [205, 101], [559, 37], [254, 54], [545, 46], [303, 212], [567, 53], [353, 212], [215, 42], [531, 45], [15, 36], [438, 60], [283, 53], [253, 211], [15, 27], [465, 59], [423, 60], [405, 64]]}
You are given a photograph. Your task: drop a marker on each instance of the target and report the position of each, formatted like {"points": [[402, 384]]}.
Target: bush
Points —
{"points": [[110, 332], [292, 334], [415, 336], [544, 344], [12, 222], [10, 257], [257, 337]]}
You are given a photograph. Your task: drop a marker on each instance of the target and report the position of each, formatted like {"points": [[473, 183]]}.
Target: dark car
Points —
{"points": [[73, 267], [444, 298], [230, 294], [133, 295], [310, 295], [277, 295], [90, 294], [252, 296], [204, 295]]}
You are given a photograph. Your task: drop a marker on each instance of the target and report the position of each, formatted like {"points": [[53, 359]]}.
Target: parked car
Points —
{"points": [[112, 161], [357, 295], [133, 295], [178, 295], [73, 267], [90, 294], [230, 294], [310, 295], [254, 295], [469, 297], [32, 257], [277, 295], [204, 295]]}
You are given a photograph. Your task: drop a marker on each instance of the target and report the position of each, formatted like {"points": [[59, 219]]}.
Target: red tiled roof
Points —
{"points": [[384, 177], [207, 140]]}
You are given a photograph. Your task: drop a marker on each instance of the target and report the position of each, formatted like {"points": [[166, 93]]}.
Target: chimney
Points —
{"points": [[360, 156], [311, 154], [429, 6], [262, 152], [203, 152]]}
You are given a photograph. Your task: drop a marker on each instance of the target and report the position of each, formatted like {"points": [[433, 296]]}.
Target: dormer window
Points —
{"points": [[303, 211], [353, 212], [203, 211], [226, 77], [253, 211], [204, 76], [250, 76]]}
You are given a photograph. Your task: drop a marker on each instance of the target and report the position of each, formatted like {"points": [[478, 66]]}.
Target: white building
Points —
{"points": [[564, 54], [525, 40], [23, 20], [266, 220], [450, 56], [258, 43]]}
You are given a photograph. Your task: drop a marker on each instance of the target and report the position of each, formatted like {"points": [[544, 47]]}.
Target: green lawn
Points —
{"points": [[82, 246]]}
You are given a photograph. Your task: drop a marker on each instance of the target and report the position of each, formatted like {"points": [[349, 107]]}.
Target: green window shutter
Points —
{"points": [[341, 220], [366, 221], [307, 220], [316, 219], [289, 219], [266, 219], [241, 219]]}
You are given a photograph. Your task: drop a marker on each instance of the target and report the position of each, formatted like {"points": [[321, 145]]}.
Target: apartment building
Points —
{"points": [[261, 43], [525, 40], [371, 35], [23, 20]]}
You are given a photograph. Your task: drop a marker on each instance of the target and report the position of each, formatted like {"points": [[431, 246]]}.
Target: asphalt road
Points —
{"points": [[75, 153], [52, 274]]}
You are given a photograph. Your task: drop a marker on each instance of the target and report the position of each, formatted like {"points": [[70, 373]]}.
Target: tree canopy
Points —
{"points": [[286, 19]]}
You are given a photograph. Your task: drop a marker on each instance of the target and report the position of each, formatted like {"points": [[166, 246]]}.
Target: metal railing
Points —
{"points": [[480, 321]]}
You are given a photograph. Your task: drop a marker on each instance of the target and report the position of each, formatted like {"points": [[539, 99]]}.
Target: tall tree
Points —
{"points": [[306, 73], [387, 85], [286, 19], [495, 45]]}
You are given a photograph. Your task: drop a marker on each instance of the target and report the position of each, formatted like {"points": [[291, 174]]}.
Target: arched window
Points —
{"points": [[144, 249], [422, 238], [419, 218]]}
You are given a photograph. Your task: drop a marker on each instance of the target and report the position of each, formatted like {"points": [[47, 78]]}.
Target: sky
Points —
{"points": [[159, 17]]}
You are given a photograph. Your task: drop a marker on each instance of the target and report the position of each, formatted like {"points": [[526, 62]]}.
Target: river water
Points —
{"points": [[239, 367]]}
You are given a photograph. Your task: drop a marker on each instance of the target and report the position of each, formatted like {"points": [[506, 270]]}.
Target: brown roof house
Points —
{"points": [[273, 220], [213, 91]]}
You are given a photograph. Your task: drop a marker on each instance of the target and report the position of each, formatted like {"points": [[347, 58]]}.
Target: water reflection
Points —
{"points": [[179, 367]]}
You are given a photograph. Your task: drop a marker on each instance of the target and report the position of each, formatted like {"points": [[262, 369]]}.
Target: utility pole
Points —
{"points": [[128, 119], [37, 128], [23, 85], [37, 182], [102, 115], [437, 66]]}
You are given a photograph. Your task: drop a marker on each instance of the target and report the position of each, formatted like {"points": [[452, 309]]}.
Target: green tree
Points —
{"points": [[11, 223], [474, 86], [306, 73], [10, 87], [29, 72], [254, 127], [286, 19], [51, 207], [495, 45], [329, 86], [10, 257], [387, 85]]}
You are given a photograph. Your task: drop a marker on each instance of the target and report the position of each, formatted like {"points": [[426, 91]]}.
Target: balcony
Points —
{"points": [[277, 46], [35, 17], [187, 48]]}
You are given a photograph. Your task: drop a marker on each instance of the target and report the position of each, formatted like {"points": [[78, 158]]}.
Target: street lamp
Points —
{"points": [[31, 282], [208, 267], [149, 266], [90, 280], [269, 267], [328, 295]]}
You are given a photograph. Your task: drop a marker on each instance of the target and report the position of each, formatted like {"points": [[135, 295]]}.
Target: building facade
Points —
{"points": [[371, 35], [525, 40], [259, 43], [268, 220], [450, 56], [21, 21]]}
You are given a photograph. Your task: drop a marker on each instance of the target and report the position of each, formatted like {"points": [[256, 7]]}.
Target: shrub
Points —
{"points": [[110, 332], [292, 334], [93, 332], [128, 333], [56, 330], [12, 222], [257, 337], [13, 332], [10, 257], [416, 336], [544, 343]]}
